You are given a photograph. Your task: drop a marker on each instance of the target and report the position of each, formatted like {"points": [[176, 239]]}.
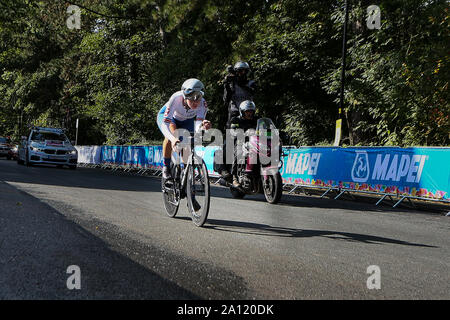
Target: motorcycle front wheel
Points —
{"points": [[273, 187]]}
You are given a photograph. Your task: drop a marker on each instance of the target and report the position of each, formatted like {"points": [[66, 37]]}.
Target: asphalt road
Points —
{"points": [[114, 228]]}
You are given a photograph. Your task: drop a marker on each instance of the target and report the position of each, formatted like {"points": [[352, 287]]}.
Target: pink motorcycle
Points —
{"points": [[260, 170]]}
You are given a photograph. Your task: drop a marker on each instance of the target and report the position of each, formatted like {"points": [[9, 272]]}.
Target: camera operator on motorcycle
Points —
{"points": [[181, 111], [245, 121], [237, 88]]}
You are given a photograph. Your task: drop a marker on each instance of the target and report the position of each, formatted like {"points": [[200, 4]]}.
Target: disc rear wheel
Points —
{"points": [[171, 194]]}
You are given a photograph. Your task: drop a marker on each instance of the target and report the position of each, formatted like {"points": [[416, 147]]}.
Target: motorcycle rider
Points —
{"points": [[237, 88], [245, 121]]}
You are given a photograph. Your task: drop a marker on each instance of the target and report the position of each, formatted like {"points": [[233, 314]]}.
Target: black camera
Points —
{"points": [[231, 74], [230, 70]]}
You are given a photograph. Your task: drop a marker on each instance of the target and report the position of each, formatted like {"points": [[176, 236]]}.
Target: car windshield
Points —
{"points": [[3, 140], [42, 136]]}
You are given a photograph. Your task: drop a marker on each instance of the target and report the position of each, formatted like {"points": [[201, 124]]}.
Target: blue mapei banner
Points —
{"points": [[157, 159], [420, 172], [134, 156]]}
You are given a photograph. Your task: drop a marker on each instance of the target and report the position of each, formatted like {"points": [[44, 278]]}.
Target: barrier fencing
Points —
{"points": [[406, 173], [387, 172]]}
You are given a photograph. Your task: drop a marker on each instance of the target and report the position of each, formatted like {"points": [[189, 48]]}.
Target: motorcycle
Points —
{"points": [[259, 172]]}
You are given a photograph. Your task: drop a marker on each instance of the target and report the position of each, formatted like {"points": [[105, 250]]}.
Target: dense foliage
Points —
{"points": [[116, 72]]}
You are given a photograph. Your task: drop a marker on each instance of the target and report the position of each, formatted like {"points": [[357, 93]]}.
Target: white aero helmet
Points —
{"points": [[247, 105], [193, 89]]}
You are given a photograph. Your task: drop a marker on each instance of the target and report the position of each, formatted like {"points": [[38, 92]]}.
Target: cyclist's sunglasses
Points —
{"points": [[194, 95]]}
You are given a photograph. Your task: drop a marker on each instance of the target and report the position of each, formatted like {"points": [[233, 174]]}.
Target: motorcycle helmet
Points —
{"points": [[193, 89], [247, 105], [241, 65], [241, 68]]}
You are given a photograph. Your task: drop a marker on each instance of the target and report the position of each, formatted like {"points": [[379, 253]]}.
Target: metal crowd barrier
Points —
{"points": [[396, 199], [142, 171]]}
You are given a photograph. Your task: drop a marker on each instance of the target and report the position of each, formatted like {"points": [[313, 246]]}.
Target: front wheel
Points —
{"points": [[273, 187], [198, 192]]}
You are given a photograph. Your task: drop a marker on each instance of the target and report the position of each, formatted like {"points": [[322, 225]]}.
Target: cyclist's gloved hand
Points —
{"points": [[206, 124], [175, 143]]}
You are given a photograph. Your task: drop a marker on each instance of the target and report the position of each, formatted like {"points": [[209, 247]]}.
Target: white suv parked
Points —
{"points": [[47, 146]]}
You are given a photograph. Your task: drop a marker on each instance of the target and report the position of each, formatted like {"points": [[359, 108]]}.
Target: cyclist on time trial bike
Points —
{"points": [[181, 111]]}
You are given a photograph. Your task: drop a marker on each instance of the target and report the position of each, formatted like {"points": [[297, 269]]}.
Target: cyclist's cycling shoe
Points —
{"points": [[226, 175], [167, 178], [166, 175], [195, 204]]}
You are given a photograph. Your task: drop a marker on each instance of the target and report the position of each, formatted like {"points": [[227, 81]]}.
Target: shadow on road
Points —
{"points": [[81, 178], [38, 244], [267, 230], [311, 202]]}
